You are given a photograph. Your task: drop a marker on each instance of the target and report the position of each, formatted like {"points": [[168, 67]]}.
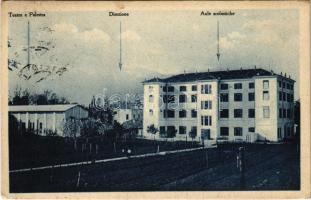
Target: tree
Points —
{"points": [[25, 97], [193, 134], [71, 129], [153, 130]]}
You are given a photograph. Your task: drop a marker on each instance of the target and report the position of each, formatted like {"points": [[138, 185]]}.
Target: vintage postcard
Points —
{"points": [[140, 100]]}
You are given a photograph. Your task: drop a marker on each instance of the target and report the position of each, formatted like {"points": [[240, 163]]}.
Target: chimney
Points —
{"points": [[272, 72], [227, 70], [281, 74], [241, 68], [255, 66], [289, 76], [285, 75], [207, 70]]}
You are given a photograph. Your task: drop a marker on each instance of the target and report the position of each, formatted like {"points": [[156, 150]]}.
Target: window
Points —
{"points": [[265, 84], [162, 130], [193, 98], [194, 88], [150, 98], [251, 85], [206, 120], [182, 98], [266, 112], [251, 113], [280, 83], [283, 85], [238, 97], [238, 131], [224, 97], [205, 134], [265, 95], [280, 96], [150, 112], [171, 131], [150, 88], [168, 98], [206, 105], [169, 113], [170, 89], [284, 113], [288, 97], [182, 113], [251, 96], [238, 86], [224, 86], [194, 131], [182, 88], [289, 113], [127, 116], [284, 96], [193, 113], [288, 86], [279, 132], [251, 129], [224, 113], [224, 131], [182, 130], [238, 113], [280, 113], [40, 125], [206, 89]]}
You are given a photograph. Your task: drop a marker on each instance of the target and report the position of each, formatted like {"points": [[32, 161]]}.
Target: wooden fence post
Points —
{"points": [[241, 166]]}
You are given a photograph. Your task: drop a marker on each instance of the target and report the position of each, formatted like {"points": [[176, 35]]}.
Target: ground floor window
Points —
{"points": [[238, 131], [205, 134], [224, 131], [182, 130], [279, 132], [251, 129], [162, 130]]}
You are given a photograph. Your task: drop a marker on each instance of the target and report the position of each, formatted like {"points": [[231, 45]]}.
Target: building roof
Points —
{"points": [[41, 108], [220, 75]]}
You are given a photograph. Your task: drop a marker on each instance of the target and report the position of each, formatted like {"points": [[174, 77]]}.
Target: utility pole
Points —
{"points": [[28, 44], [218, 53], [120, 61]]}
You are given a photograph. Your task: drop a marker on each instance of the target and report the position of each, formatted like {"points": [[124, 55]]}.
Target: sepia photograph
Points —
{"points": [[165, 97]]}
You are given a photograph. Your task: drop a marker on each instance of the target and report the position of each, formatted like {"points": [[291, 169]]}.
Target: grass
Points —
{"points": [[268, 167]]}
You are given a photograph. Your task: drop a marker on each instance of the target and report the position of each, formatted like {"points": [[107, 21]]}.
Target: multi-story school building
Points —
{"points": [[234, 105]]}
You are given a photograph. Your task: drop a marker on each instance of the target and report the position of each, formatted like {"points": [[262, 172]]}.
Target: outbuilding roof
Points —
{"points": [[41, 108], [210, 75]]}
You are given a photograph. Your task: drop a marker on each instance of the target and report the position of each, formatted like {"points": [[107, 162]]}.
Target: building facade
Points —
{"points": [[234, 105], [44, 118]]}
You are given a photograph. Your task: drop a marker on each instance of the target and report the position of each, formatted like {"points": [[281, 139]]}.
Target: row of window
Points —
{"points": [[181, 88], [285, 113], [224, 97], [288, 131], [251, 85], [238, 131], [224, 86], [283, 96], [286, 85], [169, 130], [238, 113], [182, 113]]}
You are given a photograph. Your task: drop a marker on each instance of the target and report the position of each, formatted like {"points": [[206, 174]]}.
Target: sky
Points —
{"points": [[154, 44]]}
